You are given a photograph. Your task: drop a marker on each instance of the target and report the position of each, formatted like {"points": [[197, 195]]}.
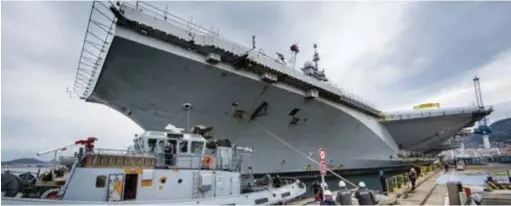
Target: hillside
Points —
{"points": [[501, 132], [23, 161]]}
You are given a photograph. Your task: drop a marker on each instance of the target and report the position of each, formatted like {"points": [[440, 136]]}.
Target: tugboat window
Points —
{"points": [[100, 181], [197, 147], [184, 146], [152, 145]]}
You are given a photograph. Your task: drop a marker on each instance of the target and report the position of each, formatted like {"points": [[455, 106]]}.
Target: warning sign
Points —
{"points": [[323, 169], [322, 154]]}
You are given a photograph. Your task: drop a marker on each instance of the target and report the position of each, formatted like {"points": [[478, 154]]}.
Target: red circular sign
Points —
{"points": [[323, 168], [322, 154]]}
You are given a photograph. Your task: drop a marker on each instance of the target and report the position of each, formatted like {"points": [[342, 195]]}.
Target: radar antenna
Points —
{"points": [[316, 57], [312, 69]]}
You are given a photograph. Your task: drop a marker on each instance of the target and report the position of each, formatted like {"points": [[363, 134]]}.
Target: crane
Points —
{"points": [[482, 128]]}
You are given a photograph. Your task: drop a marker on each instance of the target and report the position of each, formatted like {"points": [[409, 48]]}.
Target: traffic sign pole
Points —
{"points": [[322, 169]]}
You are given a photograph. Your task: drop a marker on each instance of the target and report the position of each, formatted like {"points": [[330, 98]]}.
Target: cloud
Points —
{"points": [[39, 61], [394, 54]]}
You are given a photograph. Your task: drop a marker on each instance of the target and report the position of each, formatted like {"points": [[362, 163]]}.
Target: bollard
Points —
{"points": [[394, 182], [389, 186], [400, 179], [508, 175], [453, 192]]}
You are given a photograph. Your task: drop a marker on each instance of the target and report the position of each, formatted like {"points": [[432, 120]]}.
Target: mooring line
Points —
{"points": [[301, 153]]}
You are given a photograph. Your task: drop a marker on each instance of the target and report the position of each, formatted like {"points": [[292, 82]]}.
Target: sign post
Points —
{"points": [[322, 168]]}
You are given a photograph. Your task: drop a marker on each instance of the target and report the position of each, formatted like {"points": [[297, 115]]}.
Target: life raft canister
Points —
{"points": [[207, 161]]}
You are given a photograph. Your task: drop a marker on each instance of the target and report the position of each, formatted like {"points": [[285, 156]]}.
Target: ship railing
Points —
{"points": [[195, 161], [239, 49], [196, 30], [191, 27], [357, 99], [432, 113], [289, 180], [98, 36], [107, 151]]}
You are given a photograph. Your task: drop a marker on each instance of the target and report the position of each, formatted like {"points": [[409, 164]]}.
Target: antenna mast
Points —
{"points": [[316, 57]]}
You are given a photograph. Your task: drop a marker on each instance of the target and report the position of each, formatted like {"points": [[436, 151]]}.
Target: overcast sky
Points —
{"points": [[395, 55]]}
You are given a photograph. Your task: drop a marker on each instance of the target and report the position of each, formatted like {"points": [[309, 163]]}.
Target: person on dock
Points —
{"points": [[383, 182], [364, 196], [446, 166], [320, 196], [316, 188], [413, 178], [343, 195], [329, 199]]}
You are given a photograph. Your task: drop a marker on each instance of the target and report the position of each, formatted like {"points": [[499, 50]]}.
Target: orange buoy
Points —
{"points": [[207, 161]]}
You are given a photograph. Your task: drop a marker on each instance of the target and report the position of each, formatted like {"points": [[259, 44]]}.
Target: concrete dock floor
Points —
{"points": [[391, 197], [432, 189], [422, 192]]}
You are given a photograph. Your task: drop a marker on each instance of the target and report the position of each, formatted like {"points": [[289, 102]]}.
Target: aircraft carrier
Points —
{"points": [[158, 69]]}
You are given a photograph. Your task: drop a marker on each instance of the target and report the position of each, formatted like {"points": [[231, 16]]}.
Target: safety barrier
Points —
{"points": [[503, 159], [497, 186], [499, 180], [396, 182], [473, 160]]}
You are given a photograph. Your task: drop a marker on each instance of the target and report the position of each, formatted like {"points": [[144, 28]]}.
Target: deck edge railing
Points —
{"points": [[98, 36], [192, 28], [434, 113]]}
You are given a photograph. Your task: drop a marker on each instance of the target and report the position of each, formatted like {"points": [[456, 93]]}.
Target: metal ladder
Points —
{"points": [[196, 185]]}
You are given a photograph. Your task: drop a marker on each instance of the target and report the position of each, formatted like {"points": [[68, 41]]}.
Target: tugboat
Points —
{"points": [[162, 167]]}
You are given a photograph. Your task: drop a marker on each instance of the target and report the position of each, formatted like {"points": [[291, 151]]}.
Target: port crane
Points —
{"points": [[483, 129]]}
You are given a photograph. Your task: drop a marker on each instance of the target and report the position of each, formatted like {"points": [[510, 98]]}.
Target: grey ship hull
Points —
{"points": [[149, 81]]}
